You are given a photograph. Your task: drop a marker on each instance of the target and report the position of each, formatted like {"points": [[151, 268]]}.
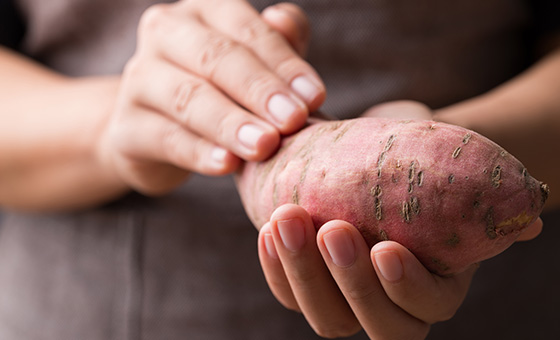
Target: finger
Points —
{"points": [[273, 270], [248, 28], [411, 286], [531, 231], [317, 295], [347, 257], [202, 109], [291, 22], [400, 109], [153, 138], [227, 64]]}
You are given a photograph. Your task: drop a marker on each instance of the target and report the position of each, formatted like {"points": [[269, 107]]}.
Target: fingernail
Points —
{"points": [[218, 156], [249, 135], [306, 88], [292, 233], [269, 245], [340, 247], [390, 265], [283, 108]]}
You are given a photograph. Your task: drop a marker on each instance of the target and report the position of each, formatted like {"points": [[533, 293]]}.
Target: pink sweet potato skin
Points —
{"points": [[450, 195]]}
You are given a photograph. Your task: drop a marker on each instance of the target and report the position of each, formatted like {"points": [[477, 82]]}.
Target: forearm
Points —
{"points": [[49, 130], [523, 116]]}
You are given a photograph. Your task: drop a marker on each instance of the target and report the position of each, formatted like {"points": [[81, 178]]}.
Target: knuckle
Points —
{"points": [[254, 30], [304, 278], [298, 15], [447, 305], [133, 65], [291, 306], [290, 64], [289, 303], [183, 95], [361, 292], [153, 18], [446, 313], [132, 71], [340, 330], [256, 85], [217, 48], [442, 307]]}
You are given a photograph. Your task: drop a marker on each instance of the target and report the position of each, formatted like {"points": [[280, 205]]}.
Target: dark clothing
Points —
{"points": [[12, 26], [185, 266]]}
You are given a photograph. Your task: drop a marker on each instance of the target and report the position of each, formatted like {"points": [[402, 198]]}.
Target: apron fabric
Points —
{"points": [[185, 266]]}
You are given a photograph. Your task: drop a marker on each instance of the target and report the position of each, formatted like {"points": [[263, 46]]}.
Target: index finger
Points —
{"points": [[248, 28], [221, 61], [347, 257]]}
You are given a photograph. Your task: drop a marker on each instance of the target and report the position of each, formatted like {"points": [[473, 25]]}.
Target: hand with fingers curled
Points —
{"points": [[212, 83], [341, 286]]}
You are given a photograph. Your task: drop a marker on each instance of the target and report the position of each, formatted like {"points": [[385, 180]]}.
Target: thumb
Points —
{"points": [[291, 22]]}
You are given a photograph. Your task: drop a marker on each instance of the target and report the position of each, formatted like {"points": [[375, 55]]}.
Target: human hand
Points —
{"points": [[212, 82], [341, 286], [400, 109]]}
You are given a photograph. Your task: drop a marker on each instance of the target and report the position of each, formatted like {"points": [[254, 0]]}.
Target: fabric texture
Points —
{"points": [[185, 266]]}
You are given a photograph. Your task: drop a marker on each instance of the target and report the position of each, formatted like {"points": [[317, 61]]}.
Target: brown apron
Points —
{"points": [[185, 266]]}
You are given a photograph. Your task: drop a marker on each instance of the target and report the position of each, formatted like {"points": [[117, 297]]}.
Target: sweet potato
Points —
{"points": [[450, 195]]}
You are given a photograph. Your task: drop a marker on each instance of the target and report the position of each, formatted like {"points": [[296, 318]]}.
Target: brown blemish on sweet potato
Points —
{"points": [[420, 178], [274, 195], [383, 235], [453, 240], [376, 193], [295, 195], [389, 143], [456, 152], [411, 171], [415, 205], [497, 176], [405, 211], [440, 264], [383, 154], [522, 219], [410, 207], [544, 192], [345, 129], [490, 226], [304, 171]]}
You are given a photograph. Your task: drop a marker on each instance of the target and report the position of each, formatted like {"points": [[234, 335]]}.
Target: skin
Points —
{"points": [[176, 109], [68, 144]]}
